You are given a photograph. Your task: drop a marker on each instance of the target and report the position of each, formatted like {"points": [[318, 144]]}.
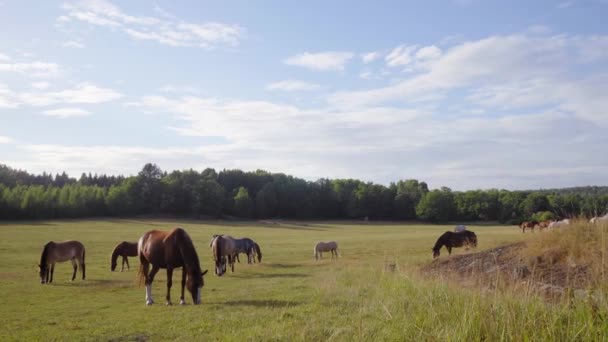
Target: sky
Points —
{"points": [[468, 94]]}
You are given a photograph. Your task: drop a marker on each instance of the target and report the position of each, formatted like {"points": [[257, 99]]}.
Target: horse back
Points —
{"points": [[64, 251]]}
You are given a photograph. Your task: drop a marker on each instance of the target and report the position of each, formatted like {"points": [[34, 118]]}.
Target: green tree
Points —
{"points": [[243, 205], [437, 206]]}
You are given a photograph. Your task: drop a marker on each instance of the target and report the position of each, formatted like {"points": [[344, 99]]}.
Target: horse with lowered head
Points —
{"points": [[124, 249], [170, 250], [330, 246], [248, 247], [54, 252], [223, 248], [451, 239]]}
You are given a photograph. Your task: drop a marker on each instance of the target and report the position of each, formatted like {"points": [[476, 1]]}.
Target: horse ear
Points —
{"points": [[205, 272]]}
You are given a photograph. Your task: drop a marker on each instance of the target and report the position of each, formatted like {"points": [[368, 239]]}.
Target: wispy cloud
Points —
{"points": [[293, 85], [370, 57], [401, 55], [64, 113], [83, 93], [4, 58], [35, 69], [167, 30], [323, 61], [5, 140], [73, 44], [40, 85]]}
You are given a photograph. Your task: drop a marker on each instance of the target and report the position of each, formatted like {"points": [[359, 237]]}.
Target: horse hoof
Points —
{"points": [[181, 302], [149, 302], [169, 303]]}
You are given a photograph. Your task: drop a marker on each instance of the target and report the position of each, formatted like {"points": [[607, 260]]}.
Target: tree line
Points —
{"points": [[260, 194]]}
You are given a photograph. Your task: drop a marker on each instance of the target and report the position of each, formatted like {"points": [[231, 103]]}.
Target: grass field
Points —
{"points": [[287, 297]]}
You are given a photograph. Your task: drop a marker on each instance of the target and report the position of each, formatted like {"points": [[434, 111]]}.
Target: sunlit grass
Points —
{"points": [[287, 297]]}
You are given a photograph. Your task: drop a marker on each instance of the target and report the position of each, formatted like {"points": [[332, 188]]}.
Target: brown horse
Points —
{"points": [[223, 249], [528, 225], [170, 250], [321, 247], [544, 224], [256, 251], [451, 239], [124, 249], [59, 252]]}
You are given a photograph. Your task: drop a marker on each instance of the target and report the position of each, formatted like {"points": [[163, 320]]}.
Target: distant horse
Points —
{"points": [[124, 249], [256, 251], [599, 219], [245, 246], [559, 224], [528, 225], [170, 250], [321, 247], [223, 249], [59, 252], [544, 224], [451, 239]]}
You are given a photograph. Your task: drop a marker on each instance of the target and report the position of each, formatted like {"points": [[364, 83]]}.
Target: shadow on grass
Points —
{"points": [[270, 276], [92, 282], [279, 265], [258, 303], [138, 337], [26, 223]]}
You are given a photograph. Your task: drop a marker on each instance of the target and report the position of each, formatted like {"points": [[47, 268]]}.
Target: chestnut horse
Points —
{"points": [[451, 239], [170, 250], [528, 225], [59, 252], [124, 249]]}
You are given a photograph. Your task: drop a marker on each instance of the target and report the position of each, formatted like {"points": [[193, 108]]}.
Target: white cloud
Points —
{"points": [[366, 75], [40, 85], [169, 30], [4, 58], [83, 93], [292, 85], [401, 55], [370, 57], [428, 52], [5, 140], [330, 60], [36, 69], [73, 44], [64, 113]]}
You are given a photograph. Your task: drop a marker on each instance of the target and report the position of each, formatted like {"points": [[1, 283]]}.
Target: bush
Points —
{"points": [[543, 216]]}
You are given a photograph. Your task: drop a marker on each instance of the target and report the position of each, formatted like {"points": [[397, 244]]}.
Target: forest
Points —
{"points": [[237, 194]]}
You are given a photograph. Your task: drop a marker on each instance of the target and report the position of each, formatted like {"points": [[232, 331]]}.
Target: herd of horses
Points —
{"points": [[175, 249], [167, 250]]}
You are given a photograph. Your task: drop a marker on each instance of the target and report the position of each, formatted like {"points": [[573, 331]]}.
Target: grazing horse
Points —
{"points": [[321, 247], [558, 224], [59, 252], [256, 251], [451, 239], [599, 219], [124, 249], [544, 224], [528, 225], [223, 248], [170, 250]]}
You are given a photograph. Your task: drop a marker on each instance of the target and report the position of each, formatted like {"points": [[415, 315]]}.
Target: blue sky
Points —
{"points": [[467, 94]]}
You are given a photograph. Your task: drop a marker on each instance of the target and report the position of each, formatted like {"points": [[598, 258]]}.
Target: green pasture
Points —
{"points": [[287, 297]]}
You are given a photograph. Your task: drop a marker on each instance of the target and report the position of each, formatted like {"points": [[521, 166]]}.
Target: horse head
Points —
{"points": [[435, 252], [42, 272], [194, 284]]}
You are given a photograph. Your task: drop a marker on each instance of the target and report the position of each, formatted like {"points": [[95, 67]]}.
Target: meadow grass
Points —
{"points": [[288, 296]]}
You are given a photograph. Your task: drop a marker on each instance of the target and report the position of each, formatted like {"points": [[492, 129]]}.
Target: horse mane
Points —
{"points": [[187, 251], [217, 249], [440, 241], [257, 251], [45, 254], [116, 251]]}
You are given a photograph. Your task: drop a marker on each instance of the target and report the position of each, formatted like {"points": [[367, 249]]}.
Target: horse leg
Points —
{"points": [[449, 250], [149, 280], [52, 271], [231, 262], [122, 266], [127, 261], [181, 299], [169, 283], [47, 273], [75, 268]]}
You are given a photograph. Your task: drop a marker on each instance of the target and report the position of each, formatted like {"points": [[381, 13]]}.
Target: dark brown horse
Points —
{"points": [[59, 252], [170, 250], [124, 249], [451, 239], [256, 251]]}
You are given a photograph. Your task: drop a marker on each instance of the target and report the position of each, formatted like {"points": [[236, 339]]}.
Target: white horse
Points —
{"points": [[559, 224], [599, 219], [321, 247]]}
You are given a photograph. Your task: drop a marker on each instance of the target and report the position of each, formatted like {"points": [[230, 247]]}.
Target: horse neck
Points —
{"points": [[116, 252], [440, 243], [44, 258], [189, 256]]}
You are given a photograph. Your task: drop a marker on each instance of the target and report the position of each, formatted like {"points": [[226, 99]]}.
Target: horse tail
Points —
{"points": [[141, 275], [83, 264]]}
